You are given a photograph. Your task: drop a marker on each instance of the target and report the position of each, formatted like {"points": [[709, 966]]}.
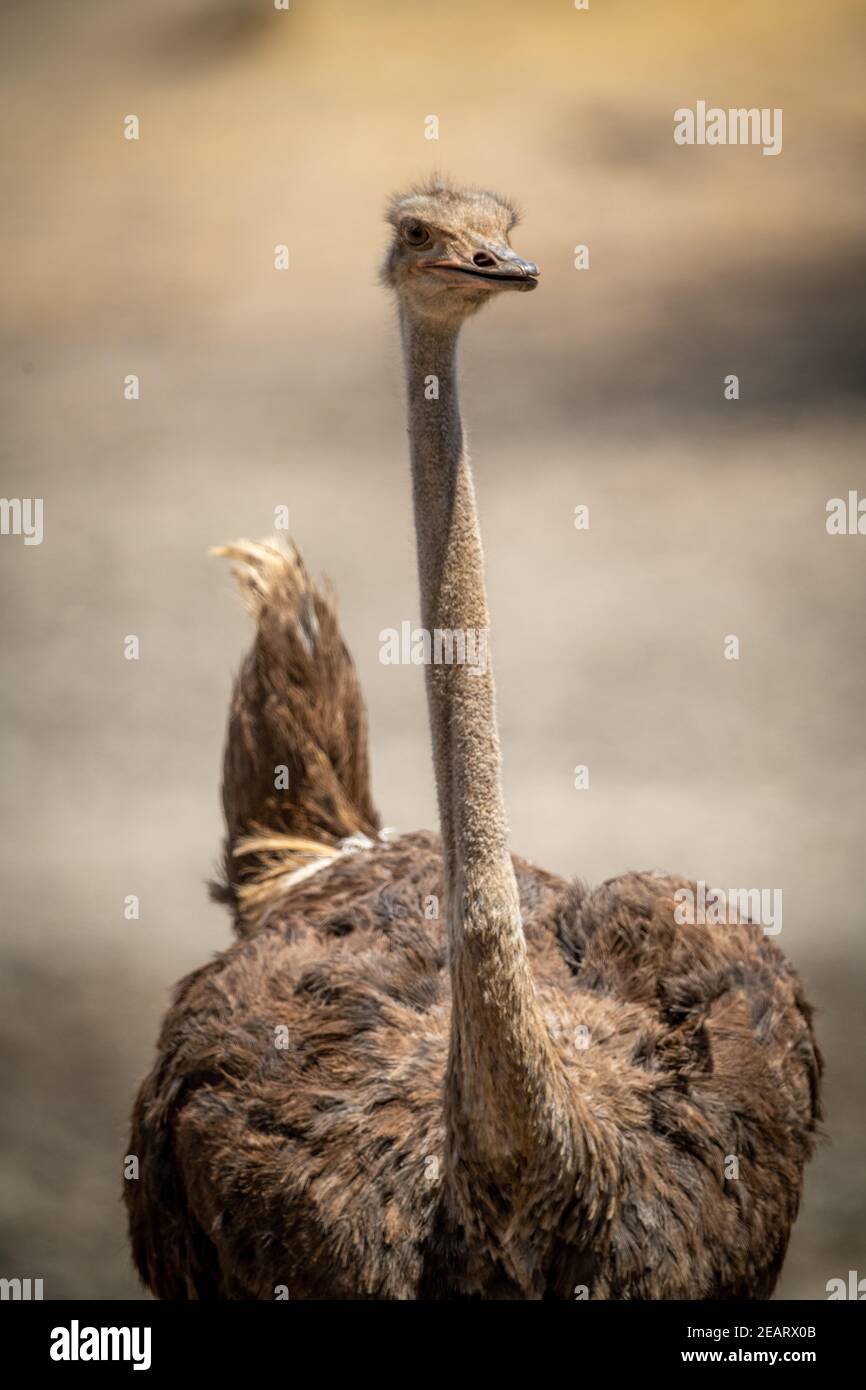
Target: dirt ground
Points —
{"points": [[262, 388]]}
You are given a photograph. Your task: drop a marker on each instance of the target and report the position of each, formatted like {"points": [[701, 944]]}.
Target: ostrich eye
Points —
{"points": [[415, 233]]}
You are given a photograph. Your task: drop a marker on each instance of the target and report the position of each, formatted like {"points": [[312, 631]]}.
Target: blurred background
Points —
{"points": [[262, 388]]}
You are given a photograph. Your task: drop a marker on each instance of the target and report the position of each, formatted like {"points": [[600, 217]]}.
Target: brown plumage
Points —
{"points": [[426, 1069], [297, 710]]}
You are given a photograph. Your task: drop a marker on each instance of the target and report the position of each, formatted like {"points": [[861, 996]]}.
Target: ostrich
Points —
{"points": [[426, 1068]]}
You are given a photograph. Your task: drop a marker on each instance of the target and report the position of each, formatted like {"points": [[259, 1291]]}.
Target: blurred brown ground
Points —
{"points": [[259, 388]]}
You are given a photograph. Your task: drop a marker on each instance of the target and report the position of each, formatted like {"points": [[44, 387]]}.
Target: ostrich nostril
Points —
{"points": [[483, 261]]}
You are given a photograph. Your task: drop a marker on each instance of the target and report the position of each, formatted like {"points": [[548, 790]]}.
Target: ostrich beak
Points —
{"points": [[501, 267]]}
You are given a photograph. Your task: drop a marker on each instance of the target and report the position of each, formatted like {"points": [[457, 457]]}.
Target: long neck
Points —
{"points": [[505, 1107]]}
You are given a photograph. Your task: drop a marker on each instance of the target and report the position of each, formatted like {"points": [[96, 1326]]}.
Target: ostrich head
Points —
{"points": [[450, 253]]}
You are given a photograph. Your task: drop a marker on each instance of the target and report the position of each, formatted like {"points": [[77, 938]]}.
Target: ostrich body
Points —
{"points": [[536, 1093]]}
